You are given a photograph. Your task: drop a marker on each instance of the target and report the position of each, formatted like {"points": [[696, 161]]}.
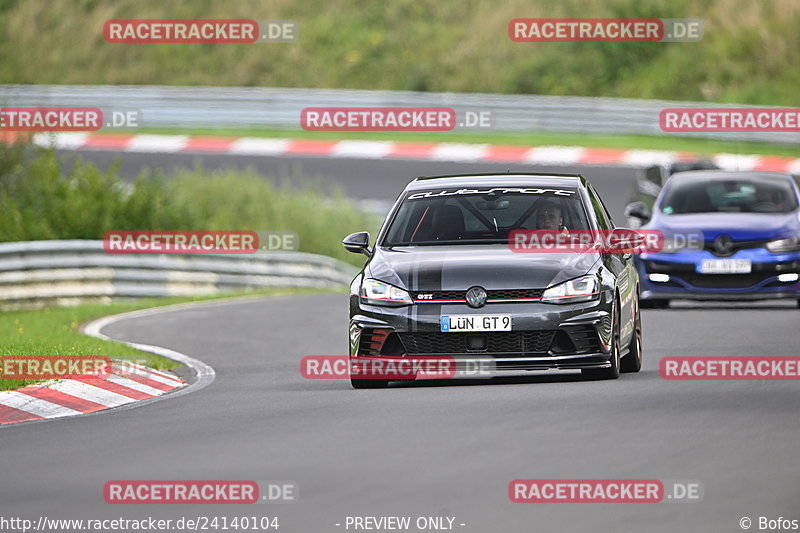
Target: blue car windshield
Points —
{"points": [[474, 216], [751, 195]]}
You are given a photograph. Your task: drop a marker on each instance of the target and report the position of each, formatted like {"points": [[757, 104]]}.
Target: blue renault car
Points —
{"points": [[727, 236]]}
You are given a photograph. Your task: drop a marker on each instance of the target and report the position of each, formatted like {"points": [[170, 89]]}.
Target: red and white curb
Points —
{"points": [[126, 383], [456, 152], [127, 387]]}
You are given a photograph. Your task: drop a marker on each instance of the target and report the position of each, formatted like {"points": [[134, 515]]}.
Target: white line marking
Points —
{"points": [[648, 157], [459, 152], [121, 369], [556, 155], [135, 385], [91, 393], [736, 161], [61, 141], [157, 143], [35, 406], [362, 149], [257, 146]]}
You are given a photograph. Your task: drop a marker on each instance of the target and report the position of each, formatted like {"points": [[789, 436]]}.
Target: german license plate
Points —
{"points": [[726, 266], [459, 323]]}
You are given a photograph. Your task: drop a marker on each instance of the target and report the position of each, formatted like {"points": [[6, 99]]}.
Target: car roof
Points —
{"points": [[497, 180], [721, 175]]}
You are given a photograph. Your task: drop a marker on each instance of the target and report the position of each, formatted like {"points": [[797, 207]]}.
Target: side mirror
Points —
{"points": [[637, 210], [358, 243], [624, 240]]}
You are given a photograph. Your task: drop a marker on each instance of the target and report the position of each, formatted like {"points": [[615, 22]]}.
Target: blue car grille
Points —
{"points": [[734, 247]]}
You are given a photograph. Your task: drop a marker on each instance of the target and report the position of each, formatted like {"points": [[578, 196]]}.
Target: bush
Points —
{"points": [[39, 200]]}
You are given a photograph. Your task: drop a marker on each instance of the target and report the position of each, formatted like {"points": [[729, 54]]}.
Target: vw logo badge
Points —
{"points": [[476, 297], [723, 245]]}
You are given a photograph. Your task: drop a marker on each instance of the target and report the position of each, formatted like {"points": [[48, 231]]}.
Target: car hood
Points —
{"points": [[459, 267], [739, 226]]}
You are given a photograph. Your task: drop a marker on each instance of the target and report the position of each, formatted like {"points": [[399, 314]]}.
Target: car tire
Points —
{"points": [[613, 371], [633, 361], [369, 383]]}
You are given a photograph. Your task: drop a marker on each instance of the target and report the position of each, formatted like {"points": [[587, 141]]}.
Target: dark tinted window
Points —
{"points": [[482, 215], [750, 195]]}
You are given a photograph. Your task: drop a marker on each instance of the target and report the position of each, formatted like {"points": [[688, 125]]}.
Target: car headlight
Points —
{"points": [[790, 244], [379, 293], [580, 289]]}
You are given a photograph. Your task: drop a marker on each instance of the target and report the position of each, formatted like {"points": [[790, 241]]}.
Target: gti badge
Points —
{"points": [[476, 297]]}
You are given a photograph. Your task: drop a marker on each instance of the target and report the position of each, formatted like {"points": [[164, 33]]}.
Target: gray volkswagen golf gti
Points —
{"points": [[443, 279]]}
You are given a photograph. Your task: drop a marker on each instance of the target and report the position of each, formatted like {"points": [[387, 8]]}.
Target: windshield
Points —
{"points": [[482, 216], [735, 196]]}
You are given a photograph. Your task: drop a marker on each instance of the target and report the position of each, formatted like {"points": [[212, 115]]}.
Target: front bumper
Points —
{"points": [[685, 281], [543, 336]]}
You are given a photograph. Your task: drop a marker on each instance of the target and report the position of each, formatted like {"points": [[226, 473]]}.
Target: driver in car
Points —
{"points": [[549, 217]]}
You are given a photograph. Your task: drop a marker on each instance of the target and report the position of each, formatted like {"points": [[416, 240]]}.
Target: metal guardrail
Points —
{"points": [[61, 272], [252, 107]]}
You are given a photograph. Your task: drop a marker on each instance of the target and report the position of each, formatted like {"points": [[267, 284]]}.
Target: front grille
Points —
{"points": [[441, 295], [460, 296], [514, 294], [735, 246], [516, 342]]}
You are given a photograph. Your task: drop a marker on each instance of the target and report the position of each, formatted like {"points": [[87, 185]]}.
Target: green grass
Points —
{"points": [[748, 53], [641, 142], [54, 331]]}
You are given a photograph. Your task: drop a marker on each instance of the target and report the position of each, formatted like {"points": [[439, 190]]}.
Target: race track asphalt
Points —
{"points": [[429, 449]]}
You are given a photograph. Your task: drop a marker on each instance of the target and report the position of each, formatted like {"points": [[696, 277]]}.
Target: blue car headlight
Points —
{"points": [[789, 244]]}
